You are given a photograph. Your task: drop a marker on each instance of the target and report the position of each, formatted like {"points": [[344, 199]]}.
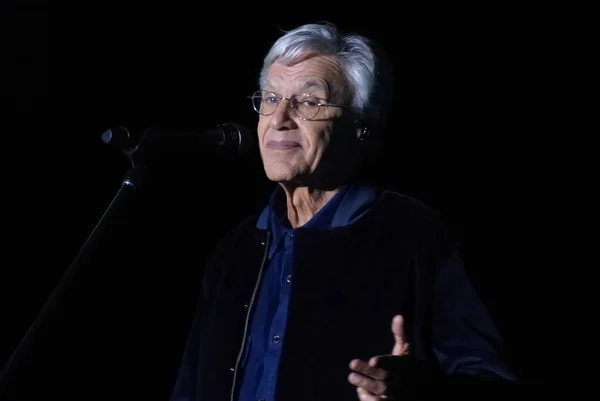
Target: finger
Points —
{"points": [[371, 385], [366, 369], [364, 395], [400, 346]]}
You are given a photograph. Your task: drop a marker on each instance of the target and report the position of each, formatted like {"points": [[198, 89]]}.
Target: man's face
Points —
{"points": [[290, 146]]}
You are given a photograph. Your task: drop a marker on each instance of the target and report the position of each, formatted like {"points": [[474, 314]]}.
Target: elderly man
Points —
{"points": [[337, 290]]}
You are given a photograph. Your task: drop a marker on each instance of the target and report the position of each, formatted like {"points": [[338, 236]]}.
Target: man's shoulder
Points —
{"points": [[406, 215], [246, 227], [247, 224], [407, 206], [405, 201]]}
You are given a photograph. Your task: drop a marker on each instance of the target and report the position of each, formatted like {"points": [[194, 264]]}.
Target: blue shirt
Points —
{"points": [[268, 321], [267, 328]]}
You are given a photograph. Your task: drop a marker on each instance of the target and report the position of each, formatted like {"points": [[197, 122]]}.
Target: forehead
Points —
{"points": [[315, 74]]}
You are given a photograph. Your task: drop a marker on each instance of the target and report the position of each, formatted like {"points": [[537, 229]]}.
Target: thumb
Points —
{"points": [[400, 346]]}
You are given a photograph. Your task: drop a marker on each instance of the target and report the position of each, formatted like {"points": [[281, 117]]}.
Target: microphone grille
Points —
{"points": [[238, 136]]}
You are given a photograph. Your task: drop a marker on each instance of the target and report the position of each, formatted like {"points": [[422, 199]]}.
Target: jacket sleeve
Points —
{"points": [[465, 339], [184, 388], [466, 342]]}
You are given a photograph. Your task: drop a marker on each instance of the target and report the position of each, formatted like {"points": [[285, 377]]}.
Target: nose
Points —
{"points": [[281, 118]]}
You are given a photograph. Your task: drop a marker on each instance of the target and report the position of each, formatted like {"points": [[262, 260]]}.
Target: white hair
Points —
{"points": [[356, 56]]}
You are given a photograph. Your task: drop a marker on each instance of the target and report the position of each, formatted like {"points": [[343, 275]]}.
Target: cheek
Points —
{"points": [[262, 126], [321, 138]]}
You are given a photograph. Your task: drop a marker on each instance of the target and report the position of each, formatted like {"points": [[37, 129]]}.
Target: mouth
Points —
{"points": [[283, 145]]}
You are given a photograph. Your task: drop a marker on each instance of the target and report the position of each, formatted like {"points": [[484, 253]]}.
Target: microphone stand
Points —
{"points": [[131, 182]]}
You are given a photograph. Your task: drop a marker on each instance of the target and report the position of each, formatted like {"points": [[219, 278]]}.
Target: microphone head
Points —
{"points": [[238, 137]]}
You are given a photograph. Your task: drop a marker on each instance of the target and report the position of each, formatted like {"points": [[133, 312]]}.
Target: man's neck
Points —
{"points": [[304, 202]]}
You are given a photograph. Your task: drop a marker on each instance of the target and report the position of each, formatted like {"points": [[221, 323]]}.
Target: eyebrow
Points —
{"points": [[317, 85], [310, 84], [307, 85]]}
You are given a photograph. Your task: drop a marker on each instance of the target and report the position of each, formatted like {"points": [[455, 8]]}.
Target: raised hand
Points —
{"points": [[372, 378]]}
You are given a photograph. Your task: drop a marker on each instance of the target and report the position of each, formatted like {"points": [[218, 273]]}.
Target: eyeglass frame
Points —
{"points": [[280, 98]]}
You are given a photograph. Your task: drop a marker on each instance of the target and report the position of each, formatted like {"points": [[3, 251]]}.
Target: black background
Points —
{"points": [[463, 138]]}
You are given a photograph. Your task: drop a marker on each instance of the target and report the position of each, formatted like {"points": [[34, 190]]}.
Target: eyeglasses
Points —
{"points": [[305, 107]]}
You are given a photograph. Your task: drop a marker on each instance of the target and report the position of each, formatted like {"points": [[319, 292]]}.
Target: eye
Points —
{"points": [[310, 102]]}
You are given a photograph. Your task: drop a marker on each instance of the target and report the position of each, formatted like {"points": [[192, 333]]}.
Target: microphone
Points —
{"points": [[230, 136]]}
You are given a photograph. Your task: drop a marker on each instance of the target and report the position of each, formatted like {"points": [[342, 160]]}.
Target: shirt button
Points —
{"points": [[289, 278], [276, 339]]}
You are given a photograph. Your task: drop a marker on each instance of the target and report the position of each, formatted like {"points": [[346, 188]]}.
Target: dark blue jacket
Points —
{"points": [[348, 283]]}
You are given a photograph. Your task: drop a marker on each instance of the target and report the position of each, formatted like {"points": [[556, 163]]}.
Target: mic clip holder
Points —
{"points": [[121, 138]]}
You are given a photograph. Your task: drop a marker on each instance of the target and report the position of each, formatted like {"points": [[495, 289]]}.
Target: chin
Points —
{"points": [[280, 174], [280, 177], [278, 171]]}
